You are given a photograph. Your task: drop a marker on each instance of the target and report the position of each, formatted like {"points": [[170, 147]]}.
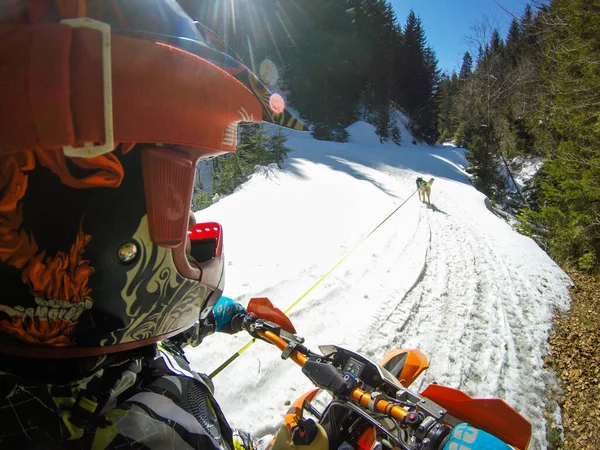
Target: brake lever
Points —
{"points": [[265, 325]]}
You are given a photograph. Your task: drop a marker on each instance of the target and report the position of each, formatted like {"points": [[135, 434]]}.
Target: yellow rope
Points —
{"points": [[319, 281]]}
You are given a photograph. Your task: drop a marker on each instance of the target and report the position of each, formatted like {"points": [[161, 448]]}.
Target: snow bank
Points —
{"points": [[362, 133]]}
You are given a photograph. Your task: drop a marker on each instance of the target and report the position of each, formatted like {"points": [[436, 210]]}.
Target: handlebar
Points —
{"points": [[363, 398], [359, 396], [296, 356]]}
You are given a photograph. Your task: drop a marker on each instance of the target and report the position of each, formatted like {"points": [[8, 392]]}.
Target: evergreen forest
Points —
{"points": [[530, 95]]}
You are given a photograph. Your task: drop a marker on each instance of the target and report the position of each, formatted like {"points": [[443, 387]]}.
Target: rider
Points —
{"points": [[100, 285]]}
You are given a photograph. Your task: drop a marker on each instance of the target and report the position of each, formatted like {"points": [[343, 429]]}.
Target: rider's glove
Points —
{"points": [[223, 312]]}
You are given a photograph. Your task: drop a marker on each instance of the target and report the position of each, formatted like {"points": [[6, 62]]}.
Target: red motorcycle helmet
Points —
{"points": [[106, 108]]}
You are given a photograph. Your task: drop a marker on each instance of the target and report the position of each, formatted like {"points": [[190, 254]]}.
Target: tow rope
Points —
{"points": [[303, 296]]}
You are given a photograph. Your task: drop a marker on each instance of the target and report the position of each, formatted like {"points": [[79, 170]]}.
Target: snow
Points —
{"points": [[528, 169], [453, 279]]}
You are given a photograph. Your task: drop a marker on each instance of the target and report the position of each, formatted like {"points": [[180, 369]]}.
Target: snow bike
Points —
{"points": [[371, 407]]}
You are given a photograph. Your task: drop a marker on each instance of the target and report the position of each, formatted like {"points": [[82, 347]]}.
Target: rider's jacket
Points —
{"points": [[150, 399]]}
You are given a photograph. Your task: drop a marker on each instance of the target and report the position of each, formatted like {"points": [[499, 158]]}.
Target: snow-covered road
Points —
{"points": [[452, 279]]}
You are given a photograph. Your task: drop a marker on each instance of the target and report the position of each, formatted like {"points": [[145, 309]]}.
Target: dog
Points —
{"points": [[424, 188]]}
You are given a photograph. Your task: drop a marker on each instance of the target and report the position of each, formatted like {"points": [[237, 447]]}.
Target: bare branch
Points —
{"points": [[506, 10]]}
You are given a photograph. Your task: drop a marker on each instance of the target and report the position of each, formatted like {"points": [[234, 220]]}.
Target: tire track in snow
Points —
{"points": [[424, 311], [363, 282], [519, 302]]}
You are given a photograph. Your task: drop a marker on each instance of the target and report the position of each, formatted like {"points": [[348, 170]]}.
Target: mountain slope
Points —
{"points": [[451, 279]]}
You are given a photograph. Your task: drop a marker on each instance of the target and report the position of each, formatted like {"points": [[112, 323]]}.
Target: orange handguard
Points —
{"points": [[358, 395]]}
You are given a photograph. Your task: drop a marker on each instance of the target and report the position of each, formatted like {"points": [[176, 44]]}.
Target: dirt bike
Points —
{"points": [[371, 407]]}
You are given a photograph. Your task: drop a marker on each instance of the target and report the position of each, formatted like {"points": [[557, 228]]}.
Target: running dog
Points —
{"points": [[424, 188]]}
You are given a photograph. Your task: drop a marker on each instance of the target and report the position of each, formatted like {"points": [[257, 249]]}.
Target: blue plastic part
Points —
{"points": [[466, 437], [224, 310]]}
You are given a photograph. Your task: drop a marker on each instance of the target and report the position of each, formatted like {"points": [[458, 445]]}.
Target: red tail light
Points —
{"points": [[207, 230]]}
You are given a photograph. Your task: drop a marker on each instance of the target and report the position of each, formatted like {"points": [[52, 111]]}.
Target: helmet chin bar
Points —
{"points": [[168, 184]]}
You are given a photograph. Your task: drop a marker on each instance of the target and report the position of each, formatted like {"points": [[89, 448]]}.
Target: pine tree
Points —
{"points": [[529, 28], [378, 34], [448, 121], [256, 147], [467, 66], [527, 18], [323, 70], [514, 43], [420, 76], [481, 155], [496, 44]]}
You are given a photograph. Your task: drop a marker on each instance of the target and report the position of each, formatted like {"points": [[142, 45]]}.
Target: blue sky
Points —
{"points": [[448, 23]]}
